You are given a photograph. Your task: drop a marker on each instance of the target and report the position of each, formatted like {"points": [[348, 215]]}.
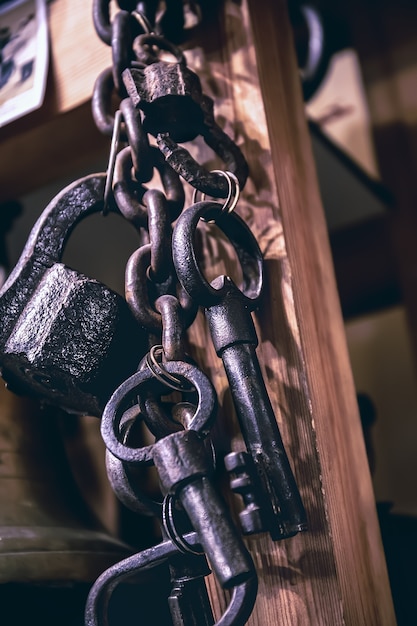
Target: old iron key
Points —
{"points": [[228, 312], [183, 467]]}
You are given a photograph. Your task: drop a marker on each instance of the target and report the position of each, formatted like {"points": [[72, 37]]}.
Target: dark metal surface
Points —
{"points": [[181, 460], [129, 193], [62, 332], [138, 386], [245, 482], [176, 111], [188, 601], [227, 309]]}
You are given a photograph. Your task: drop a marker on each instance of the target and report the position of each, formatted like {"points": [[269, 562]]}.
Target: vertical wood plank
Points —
{"points": [[335, 573]]}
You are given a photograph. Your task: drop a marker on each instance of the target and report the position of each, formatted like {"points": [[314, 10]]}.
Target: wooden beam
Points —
{"points": [[49, 150], [42, 145], [335, 573]]}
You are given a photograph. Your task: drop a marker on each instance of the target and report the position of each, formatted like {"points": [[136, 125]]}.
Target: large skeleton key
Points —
{"points": [[228, 312]]}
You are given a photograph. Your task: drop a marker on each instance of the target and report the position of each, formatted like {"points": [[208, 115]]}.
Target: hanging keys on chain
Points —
{"points": [[181, 458], [227, 308]]}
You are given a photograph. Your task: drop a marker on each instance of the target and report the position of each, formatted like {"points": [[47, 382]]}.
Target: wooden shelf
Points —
{"points": [[42, 145]]}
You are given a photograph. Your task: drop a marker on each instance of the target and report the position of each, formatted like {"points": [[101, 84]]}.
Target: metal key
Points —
{"points": [[182, 464], [228, 312]]}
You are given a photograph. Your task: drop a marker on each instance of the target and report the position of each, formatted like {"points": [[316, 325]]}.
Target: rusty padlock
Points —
{"points": [[64, 337]]}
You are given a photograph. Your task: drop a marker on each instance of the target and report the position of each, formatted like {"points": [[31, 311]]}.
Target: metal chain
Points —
{"points": [[145, 114], [160, 106]]}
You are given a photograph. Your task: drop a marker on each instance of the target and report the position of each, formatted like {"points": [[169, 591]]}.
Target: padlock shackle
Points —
{"points": [[61, 331], [46, 242]]}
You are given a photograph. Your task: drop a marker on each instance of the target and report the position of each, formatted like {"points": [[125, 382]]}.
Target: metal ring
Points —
{"points": [[112, 161], [161, 373], [144, 381], [171, 531], [138, 142], [186, 262], [101, 103], [143, 22], [143, 46], [101, 20], [233, 193], [129, 193]]}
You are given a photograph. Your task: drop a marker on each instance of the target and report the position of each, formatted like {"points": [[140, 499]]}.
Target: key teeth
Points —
{"points": [[239, 466]]}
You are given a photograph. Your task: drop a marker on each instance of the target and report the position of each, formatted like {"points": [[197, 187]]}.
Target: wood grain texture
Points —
{"points": [[77, 54], [335, 573]]}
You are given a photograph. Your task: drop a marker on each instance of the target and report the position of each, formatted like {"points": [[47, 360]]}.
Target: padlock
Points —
{"points": [[64, 337]]}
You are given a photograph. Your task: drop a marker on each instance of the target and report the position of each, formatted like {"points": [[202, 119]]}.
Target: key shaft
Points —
{"points": [[235, 340]]}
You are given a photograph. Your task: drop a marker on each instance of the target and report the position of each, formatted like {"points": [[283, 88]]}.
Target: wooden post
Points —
{"points": [[335, 573]]}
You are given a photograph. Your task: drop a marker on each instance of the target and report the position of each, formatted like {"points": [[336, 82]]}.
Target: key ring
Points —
{"points": [[155, 364], [170, 528], [140, 383], [232, 195]]}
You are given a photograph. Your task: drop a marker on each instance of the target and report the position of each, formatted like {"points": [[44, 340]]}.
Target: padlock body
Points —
{"points": [[73, 343]]}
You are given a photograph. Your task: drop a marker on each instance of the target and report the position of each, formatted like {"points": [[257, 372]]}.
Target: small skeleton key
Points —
{"points": [[228, 311]]}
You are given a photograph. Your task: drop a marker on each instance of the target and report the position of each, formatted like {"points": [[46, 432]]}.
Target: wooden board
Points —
{"points": [[335, 573], [42, 146]]}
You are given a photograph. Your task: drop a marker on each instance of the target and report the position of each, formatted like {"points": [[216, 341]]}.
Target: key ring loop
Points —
{"points": [[187, 266], [158, 369], [233, 193], [142, 382], [169, 525], [145, 24]]}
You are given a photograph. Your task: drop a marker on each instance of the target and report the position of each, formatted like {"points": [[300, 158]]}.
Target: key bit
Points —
{"points": [[243, 482]]}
